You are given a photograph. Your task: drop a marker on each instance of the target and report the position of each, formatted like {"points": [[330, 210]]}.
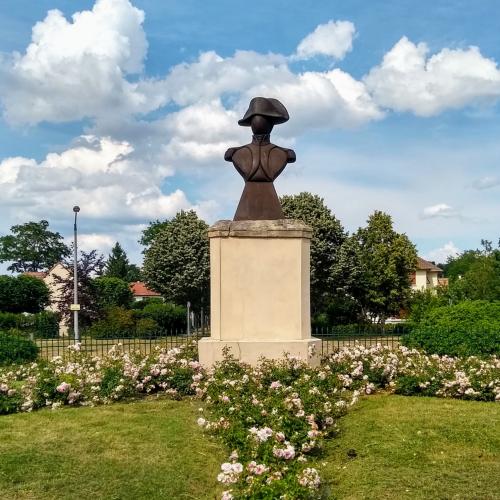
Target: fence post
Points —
{"points": [[202, 322], [188, 318]]}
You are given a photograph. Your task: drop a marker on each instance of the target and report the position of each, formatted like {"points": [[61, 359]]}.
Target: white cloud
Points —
{"points": [[332, 99], [440, 255], [486, 182], [78, 69], [202, 132], [439, 210], [99, 174], [211, 76], [93, 241], [409, 80], [332, 39]]}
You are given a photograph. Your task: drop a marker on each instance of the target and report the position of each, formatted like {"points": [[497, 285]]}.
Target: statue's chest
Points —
{"points": [[260, 163]]}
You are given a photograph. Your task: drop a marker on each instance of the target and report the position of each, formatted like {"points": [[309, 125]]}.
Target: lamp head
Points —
{"points": [[76, 209]]}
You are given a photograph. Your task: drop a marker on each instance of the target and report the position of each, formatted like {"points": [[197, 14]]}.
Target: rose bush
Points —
{"points": [[273, 418], [413, 373]]}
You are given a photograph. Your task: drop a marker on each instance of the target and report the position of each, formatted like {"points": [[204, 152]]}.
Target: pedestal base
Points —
{"points": [[251, 351]]}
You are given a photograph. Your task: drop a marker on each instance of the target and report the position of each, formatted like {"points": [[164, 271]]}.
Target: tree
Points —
{"points": [[32, 247], [385, 259], [118, 266], [89, 266], [176, 263], [475, 274], [327, 238], [20, 294], [150, 233], [111, 292], [457, 266]]}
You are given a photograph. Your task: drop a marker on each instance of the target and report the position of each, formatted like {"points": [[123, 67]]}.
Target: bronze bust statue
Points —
{"points": [[260, 162]]}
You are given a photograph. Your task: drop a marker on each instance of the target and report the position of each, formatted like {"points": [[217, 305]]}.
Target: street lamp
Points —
{"points": [[75, 305]]}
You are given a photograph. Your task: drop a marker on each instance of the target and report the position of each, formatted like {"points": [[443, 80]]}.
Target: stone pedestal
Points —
{"points": [[260, 292]]}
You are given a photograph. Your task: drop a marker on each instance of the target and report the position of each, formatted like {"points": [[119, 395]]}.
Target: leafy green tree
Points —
{"points": [[475, 274], [118, 266], [457, 266], [111, 292], [385, 259], [150, 233], [32, 247], [20, 294], [327, 238], [176, 263]]}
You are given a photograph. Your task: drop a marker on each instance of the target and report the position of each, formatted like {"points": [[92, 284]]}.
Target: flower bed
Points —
{"points": [[413, 373], [273, 418]]}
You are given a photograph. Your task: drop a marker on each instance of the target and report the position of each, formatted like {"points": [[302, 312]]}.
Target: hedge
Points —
{"points": [[14, 348], [465, 329], [44, 324]]}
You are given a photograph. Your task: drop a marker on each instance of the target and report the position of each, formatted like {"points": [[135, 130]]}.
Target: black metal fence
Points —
{"points": [[335, 337], [48, 348], [332, 338]]}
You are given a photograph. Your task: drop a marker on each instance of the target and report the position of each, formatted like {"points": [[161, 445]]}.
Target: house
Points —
{"points": [[427, 276], [55, 291], [140, 291]]}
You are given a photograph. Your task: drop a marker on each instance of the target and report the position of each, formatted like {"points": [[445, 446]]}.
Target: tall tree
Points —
{"points": [[32, 247], [150, 233], [118, 266], [89, 266], [176, 263], [328, 236], [385, 260], [474, 274], [481, 281]]}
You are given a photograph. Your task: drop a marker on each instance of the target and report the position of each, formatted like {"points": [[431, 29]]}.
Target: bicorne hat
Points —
{"points": [[265, 106]]}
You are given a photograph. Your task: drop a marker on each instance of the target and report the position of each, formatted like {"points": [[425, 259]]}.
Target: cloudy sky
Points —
{"points": [[126, 108]]}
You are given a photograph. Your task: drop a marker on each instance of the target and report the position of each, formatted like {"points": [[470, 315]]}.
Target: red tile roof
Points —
{"points": [[429, 266], [139, 289]]}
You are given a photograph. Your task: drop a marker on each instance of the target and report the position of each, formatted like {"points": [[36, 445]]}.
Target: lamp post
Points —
{"points": [[75, 307]]}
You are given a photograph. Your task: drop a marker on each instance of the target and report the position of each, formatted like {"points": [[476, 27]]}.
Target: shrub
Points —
{"points": [[117, 323], [169, 317], [112, 292], [141, 304], [423, 301], [146, 327], [10, 320], [359, 330], [44, 324], [464, 329], [23, 294], [14, 348]]}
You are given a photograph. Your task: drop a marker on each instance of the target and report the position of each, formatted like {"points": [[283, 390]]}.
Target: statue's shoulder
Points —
{"points": [[282, 153], [239, 152]]}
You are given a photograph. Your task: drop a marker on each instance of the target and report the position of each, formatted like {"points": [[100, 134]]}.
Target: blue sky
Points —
{"points": [[126, 108]]}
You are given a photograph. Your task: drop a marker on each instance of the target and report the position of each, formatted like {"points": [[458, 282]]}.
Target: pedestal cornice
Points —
{"points": [[280, 228]]}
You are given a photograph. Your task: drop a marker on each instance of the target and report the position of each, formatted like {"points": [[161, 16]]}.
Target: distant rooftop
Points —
{"points": [[139, 289], [426, 265]]}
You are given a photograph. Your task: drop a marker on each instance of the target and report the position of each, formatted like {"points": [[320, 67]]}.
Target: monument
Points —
{"points": [[260, 261]]}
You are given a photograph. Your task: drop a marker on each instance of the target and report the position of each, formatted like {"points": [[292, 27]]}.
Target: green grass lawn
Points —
{"points": [[406, 448], [416, 448], [147, 449]]}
